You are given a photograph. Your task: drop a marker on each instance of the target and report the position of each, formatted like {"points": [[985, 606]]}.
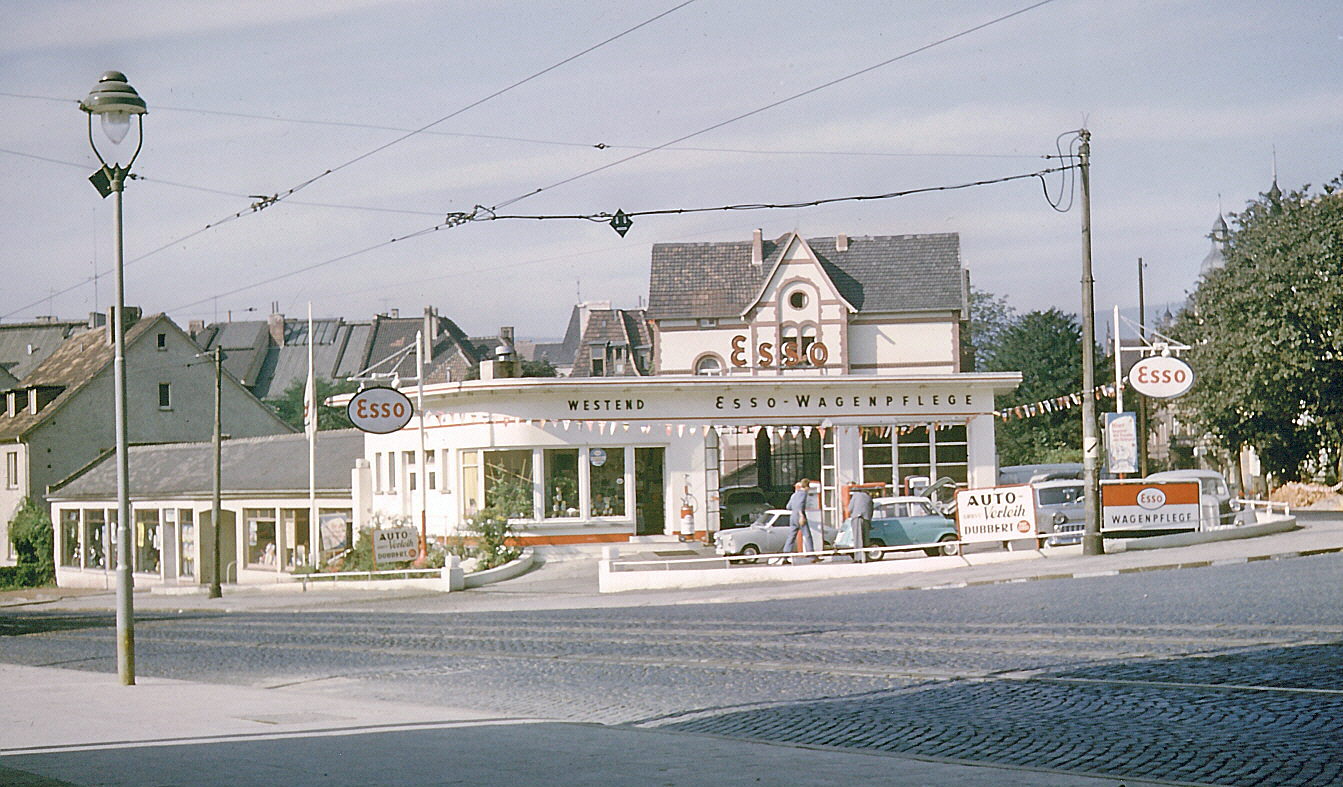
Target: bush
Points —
{"points": [[30, 532]]}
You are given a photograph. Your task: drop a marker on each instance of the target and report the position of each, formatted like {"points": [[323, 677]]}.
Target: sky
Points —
{"points": [[373, 121]]}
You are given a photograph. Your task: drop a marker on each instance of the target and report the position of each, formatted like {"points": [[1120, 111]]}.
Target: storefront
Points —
{"points": [[607, 459]]}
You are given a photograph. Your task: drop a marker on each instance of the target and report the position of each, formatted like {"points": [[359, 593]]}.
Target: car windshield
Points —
{"points": [[763, 518], [1058, 495]]}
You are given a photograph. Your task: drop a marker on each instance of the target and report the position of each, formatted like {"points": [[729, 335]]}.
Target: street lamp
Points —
{"points": [[114, 101]]}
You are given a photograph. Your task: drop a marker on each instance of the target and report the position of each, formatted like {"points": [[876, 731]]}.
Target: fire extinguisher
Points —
{"points": [[687, 515]]}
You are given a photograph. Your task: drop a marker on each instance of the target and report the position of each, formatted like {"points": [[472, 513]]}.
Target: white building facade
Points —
{"points": [[834, 359]]}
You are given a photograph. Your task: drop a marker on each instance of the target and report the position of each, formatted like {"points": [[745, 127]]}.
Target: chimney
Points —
{"points": [[841, 242], [430, 331], [195, 328], [758, 248], [275, 323]]}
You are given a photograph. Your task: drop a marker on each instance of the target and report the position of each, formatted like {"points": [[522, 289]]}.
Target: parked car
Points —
{"points": [[768, 534], [1029, 474], [1060, 511], [904, 521], [1213, 493]]}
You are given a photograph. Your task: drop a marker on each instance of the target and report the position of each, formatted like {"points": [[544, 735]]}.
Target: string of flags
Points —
{"points": [[440, 419], [1055, 404]]}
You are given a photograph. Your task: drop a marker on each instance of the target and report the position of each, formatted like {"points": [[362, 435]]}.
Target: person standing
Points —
{"points": [[797, 520], [859, 516]]}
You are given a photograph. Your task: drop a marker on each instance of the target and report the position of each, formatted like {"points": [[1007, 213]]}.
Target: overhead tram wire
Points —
{"points": [[267, 201], [480, 213], [780, 102]]}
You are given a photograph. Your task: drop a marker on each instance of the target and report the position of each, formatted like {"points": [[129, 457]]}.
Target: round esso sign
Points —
{"points": [[379, 410], [1161, 376], [1151, 498]]}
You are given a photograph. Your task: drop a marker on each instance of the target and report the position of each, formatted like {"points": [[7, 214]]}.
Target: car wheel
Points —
{"points": [[874, 551], [748, 554], [950, 546]]}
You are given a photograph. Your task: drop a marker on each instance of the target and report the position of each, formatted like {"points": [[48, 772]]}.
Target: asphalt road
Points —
{"points": [[1220, 675]]}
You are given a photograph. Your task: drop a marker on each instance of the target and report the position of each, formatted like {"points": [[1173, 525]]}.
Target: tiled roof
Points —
{"points": [[69, 368], [253, 465], [891, 273], [23, 346]]}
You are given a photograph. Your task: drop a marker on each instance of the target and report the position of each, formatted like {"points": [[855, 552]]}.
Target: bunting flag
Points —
{"points": [[1055, 404]]}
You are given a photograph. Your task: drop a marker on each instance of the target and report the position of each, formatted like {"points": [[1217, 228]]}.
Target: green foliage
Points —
{"points": [[1267, 345], [541, 368], [289, 405], [31, 533], [1046, 347], [990, 317], [508, 496]]}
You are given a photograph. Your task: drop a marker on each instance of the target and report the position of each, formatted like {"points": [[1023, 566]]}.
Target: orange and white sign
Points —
{"points": [[1141, 505], [1002, 513]]}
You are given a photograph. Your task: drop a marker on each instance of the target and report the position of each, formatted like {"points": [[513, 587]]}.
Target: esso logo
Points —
{"points": [[1151, 498], [379, 410], [1161, 377]]}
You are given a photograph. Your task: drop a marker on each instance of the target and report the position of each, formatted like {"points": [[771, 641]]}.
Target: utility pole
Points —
{"points": [[1142, 400], [216, 513], [1092, 543]]}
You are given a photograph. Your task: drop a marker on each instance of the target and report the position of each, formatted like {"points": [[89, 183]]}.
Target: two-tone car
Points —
{"points": [[904, 521]]}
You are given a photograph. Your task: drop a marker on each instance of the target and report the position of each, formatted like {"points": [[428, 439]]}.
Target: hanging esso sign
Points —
{"points": [[1161, 377], [379, 410]]}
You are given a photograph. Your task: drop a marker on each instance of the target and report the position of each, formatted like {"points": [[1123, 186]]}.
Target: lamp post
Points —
{"points": [[114, 101]]}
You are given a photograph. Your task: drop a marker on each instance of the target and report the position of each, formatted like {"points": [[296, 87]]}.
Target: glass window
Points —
{"points": [[877, 455], [709, 365], [165, 396], [430, 468], [147, 540], [471, 489], [187, 520], [12, 470], [508, 483], [69, 537], [95, 538], [561, 491], [260, 536], [607, 473]]}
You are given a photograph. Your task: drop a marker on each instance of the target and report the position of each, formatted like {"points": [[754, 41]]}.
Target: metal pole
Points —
{"points": [[125, 581], [1142, 400], [1119, 366], [216, 511], [424, 479], [1092, 543]]}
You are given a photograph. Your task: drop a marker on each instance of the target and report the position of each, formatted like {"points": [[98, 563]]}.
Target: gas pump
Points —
{"points": [[687, 513]]}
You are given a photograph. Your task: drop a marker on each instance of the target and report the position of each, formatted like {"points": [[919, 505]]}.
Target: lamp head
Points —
{"points": [[113, 100]]}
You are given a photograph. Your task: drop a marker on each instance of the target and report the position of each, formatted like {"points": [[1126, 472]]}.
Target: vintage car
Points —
{"points": [[1215, 500], [905, 521], [1060, 511], [767, 534]]}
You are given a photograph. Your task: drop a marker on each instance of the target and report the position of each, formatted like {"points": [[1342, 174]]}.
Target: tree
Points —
{"points": [[1267, 342], [30, 531], [1046, 347], [289, 405], [990, 316]]}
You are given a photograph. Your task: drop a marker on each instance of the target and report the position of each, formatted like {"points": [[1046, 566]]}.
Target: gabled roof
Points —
{"points": [[614, 327], [72, 366], [782, 248], [23, 346], [889, 273], [249, 466]]}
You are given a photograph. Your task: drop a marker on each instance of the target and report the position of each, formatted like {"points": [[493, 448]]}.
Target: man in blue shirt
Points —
{"points": [[860, 516], [797, 520]]}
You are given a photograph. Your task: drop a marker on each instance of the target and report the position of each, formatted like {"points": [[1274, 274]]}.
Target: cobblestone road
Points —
{"points": [[1229, 675]]}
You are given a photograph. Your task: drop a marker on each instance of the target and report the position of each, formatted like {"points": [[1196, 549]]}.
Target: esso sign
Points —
{"points": [[379, 410], [1161, 377], [1151, 498]]}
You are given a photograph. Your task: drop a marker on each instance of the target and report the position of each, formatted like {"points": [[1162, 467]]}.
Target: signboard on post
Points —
{"points": [[1161, 377], [1143, 505], [1121, 442], [396, 544], [379, 410], [1002, 513]]}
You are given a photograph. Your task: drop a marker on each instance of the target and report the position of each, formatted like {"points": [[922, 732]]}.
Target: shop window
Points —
{"points": [[260, 536], [147, 540], [96, 538], [794, 455], [878, 452], [607, 474], [187, 554], [296, 536], [69, 546], [470, 484], [508, 483], [561, 489]]}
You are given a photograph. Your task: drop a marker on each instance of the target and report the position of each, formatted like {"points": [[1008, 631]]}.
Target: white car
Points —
{"points": [[767, 534]]}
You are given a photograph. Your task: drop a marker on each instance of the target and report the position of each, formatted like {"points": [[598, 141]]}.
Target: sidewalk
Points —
{"points": [[75, 728]]}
